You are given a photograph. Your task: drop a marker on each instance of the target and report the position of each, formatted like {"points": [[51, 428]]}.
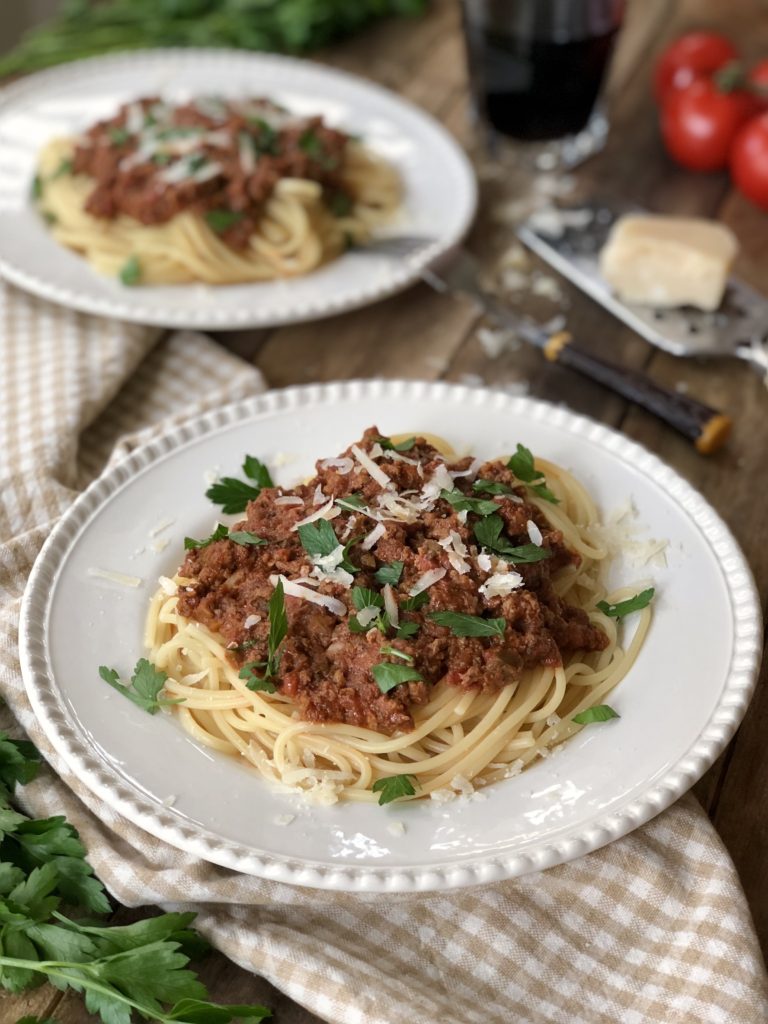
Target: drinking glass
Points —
{"points": [[536, 71]]}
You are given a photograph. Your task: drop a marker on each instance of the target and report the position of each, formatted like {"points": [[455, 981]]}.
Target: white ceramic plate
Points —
{"points": [[679, 705], [439, 204]]}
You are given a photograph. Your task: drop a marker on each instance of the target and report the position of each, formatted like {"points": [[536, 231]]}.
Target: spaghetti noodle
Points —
{"points": [[212, 191], [501, 700]]}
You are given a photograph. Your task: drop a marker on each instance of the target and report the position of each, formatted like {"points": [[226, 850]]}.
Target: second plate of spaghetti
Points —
{"points": [[402, 655], [216, 189]]}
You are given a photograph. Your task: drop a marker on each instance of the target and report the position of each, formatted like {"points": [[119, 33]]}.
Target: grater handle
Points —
{"points": [[706, 427]]}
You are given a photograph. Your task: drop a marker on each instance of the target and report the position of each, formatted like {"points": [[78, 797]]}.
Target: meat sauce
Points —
{"points": [[324, 666], [152, 161]]}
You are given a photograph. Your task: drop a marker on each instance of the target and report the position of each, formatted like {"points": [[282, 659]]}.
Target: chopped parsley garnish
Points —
{"points": [[245, 538], [161, 159], [220, 533], [310, 144], [197, 162], [261, 675], [144, 687], [413, 603], [222, 220], [130, 272], [462, 503], [119, 136], [233, 494], [319, 539], [492, 487], [388, 675], [340, 204], [392, 787], [65, 167], [401, 446], [267, 139], [351, 501], [488, 535], [406, 629], [389, 573], [469, 625], [387, 649], [49, 218], [632, 604], [362, 597], [599, 713], [36, 189], [522, 465]]}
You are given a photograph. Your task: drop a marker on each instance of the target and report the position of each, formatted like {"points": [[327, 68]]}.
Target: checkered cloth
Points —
{"points": [[653, 928]]}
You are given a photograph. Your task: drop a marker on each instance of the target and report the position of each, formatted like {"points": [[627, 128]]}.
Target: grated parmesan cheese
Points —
{"points": [[343, 466], [390, 605], [328, 511], [289, 499], [116, 577], [251, 621], [396, 828], [484, 562], [373, 537], [426, 581], [500, 584], [534, 533], [373, 471], [319, 497], [162, 525], [167, 586], [292, 589]]}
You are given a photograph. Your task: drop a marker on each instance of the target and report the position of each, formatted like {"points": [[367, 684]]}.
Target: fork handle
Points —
{"points": [[706, 427]]}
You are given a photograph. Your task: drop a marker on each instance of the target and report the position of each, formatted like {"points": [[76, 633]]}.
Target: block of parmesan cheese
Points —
{"points": [[668, 261]]}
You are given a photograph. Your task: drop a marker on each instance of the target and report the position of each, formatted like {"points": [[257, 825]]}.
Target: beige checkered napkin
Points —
{"points": [[653, 928]]}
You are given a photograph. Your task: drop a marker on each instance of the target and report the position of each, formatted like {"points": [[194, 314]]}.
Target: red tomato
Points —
{"points": [[699, 124], [749, 160], [758, 77], [695, 55]]}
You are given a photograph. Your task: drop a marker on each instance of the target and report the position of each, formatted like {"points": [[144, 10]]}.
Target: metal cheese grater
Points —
{"points": [[570, 240]]}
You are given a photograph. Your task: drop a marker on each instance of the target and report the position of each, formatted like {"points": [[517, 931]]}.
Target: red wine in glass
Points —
{"points": [[537, 66]]}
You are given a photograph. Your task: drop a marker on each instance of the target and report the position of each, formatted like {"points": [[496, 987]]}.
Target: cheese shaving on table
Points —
{"points": [[292, 589], [116, 577], [426, 581], [328, 511], [162, 525], [374, 471]]}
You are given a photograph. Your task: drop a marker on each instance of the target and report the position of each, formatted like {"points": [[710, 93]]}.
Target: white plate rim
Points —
{"points": [[96, 775], [253, 315]]}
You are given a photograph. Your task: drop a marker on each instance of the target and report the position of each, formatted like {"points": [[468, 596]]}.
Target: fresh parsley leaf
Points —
{"points": [[146, 683], [19, 763], [278, 630], [387, 649], [65, 167], [130, 272], [469, 625], [50, 218], [392, 787], [32, 1019], [462, 503], [388, 676], [220, 533], [197, 162], [36, 189], [267, 139], [402, 446], [362, 597], [406, 629], [340, 204], [389, 573], [318, 538], [632, 604], [119, 136], [415, 602], [522, 465], [245, 538], [310, 144], [488, 534], [351, 501], [161, 159], [222, 220], [599, 713], [233, 494], [492, 487]]}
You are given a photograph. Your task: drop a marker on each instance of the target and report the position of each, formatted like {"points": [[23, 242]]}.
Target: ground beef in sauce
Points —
{"points": [[325, 668], [151, 161]]}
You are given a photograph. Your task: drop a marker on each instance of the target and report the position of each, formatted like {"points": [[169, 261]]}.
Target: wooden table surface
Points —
{"points": [[422, 335]]}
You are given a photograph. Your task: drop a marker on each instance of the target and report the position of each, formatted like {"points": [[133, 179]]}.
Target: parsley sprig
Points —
{"points": [[488, 534], [522, 465], [401, 446], [262, 675], [245, 538], [319, 539], [632, 604], [390, 573], [393, 787], [144, 687], [388, 675], [599, 713], [469, 625], [126, 973], [234, 494], [462, 503]]}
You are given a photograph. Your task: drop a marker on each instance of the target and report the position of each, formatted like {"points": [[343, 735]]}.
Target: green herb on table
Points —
{"points": [[632, 604], [461, 503], [599, 713], [125, 972], [522, 465], [130, 272], [144, 687], [389, 675], [233, 494], [389, 445], [222, 220], [469, 625], [262, 675], [389, 573], [488, 535], [220, 533], [393, 787]]}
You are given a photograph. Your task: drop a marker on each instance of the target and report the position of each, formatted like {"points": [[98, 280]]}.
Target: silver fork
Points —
{"points": [[397, 246]]}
